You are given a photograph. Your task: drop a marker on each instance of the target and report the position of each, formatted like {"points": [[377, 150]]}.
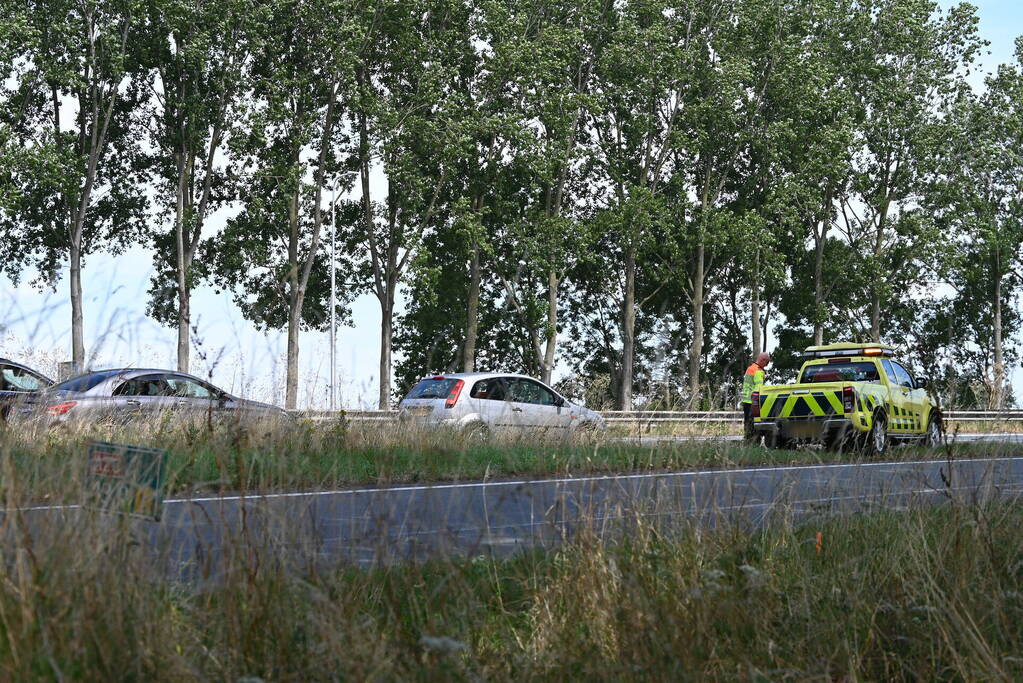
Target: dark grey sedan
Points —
{"points": [[121, 396]]}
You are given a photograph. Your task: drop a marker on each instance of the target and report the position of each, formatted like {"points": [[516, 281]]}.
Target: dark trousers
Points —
{"points": [[747, 421]]}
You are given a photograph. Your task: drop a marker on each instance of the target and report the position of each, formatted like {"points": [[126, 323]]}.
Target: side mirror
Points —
{"points": [[922, 382], [560, 402]]}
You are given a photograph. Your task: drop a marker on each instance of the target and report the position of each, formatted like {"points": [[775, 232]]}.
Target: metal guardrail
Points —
{"points": [[654, 416]]}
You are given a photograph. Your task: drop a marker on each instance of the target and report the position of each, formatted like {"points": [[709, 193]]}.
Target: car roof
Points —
{"points": [[477, 375], [136, 372], [848, 346]]}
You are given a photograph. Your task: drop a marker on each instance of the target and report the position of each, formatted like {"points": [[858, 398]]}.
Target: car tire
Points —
{"points": [[476, 434], [935, 433], [876, 443], [778, 442]]}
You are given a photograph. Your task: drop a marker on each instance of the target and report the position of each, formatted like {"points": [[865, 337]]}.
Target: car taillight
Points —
{"points": [[61, 408], [848, 399], [755, 401], [453, 394]]}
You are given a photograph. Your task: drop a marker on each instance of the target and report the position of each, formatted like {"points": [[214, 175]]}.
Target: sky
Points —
{"points": [[35, 324]]}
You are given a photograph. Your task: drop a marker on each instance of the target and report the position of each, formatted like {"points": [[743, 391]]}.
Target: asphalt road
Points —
{"points": [[383, 525]]}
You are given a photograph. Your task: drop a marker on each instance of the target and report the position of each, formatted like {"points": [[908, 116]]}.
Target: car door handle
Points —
{"points": [[517, 410], [181, 403], [133, 402]]}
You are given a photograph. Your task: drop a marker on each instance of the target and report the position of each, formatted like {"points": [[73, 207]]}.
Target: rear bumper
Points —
{"points": [[806, 429]]}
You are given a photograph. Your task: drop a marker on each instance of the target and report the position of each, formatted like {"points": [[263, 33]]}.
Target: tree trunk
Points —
{"points": [[628, 331], [182, 267], [818, 293], [294, 320], [77, 328], [820, 236], [294, 308], [472, 319], [755, 307], [998, 378], [386, 329], [875, 316], [547, 366], [184, 324], [696, 348], [875, 294]]}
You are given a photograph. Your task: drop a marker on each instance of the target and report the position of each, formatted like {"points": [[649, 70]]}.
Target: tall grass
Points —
{"points": [[926, 593], [286, 456]]}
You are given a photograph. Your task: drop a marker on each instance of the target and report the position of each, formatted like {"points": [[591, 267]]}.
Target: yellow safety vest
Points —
{"points": [[751, 382]]}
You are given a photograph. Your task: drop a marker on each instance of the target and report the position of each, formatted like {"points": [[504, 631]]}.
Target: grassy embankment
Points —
{"points": [[925, 594], [305, 456]]}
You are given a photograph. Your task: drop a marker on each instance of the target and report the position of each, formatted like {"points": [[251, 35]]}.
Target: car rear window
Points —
{"points": [[83, 383], [840, 372], [432, 387]]}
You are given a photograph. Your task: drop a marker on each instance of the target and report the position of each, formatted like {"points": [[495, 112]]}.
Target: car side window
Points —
{"points": [[528, 391], [902, 376], [491, 389], [890, 371], [518, 391], [185, 387], [16, 379], [146, 385], [541, 394]]}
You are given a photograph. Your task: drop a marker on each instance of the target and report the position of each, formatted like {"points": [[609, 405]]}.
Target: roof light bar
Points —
{"points": [[849, 350]]}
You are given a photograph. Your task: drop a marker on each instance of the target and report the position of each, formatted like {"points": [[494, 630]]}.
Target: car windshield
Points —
{"points": [[433, 387], [84, 382], [864, 371]]}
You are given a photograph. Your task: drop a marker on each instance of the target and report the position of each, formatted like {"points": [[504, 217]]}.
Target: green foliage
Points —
{"points": [[626, 180]]}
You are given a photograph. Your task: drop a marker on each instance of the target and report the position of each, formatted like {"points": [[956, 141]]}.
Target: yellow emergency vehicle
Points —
{"points": [[848, 395]]}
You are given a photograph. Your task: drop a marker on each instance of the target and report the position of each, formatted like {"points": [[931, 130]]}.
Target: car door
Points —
{"points": [[144, 396], [914, 398], [489, 398], [535, 405], [521, 413], [549, 408], [899, 401], [194, 399]]}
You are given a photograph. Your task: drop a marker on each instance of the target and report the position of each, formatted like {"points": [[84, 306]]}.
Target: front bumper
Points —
{"points": [[806, 429]]}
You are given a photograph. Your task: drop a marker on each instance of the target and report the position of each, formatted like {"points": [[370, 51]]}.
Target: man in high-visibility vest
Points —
{"points": [[752, 381]]}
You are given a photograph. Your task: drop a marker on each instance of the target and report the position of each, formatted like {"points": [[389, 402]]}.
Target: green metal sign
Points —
{"points": [[127, 479]]}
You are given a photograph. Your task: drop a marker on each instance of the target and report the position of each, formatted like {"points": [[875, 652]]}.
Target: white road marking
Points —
{"points": [[529, 482]]}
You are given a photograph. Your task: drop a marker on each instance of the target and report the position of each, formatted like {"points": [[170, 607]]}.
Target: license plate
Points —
{"points": [[419, 411], [804, 430]]}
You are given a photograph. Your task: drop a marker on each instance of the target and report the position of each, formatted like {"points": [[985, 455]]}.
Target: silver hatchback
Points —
{"points": [[481, 405]]}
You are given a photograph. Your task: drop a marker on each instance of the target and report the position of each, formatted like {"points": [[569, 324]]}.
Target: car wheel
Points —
{"points": [[877, 438], [779, 442], [933, 436], [476, 434]]}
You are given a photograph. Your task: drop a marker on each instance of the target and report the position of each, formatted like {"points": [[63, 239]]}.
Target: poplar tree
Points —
{"points": [[73, 117], [199, 56]]}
